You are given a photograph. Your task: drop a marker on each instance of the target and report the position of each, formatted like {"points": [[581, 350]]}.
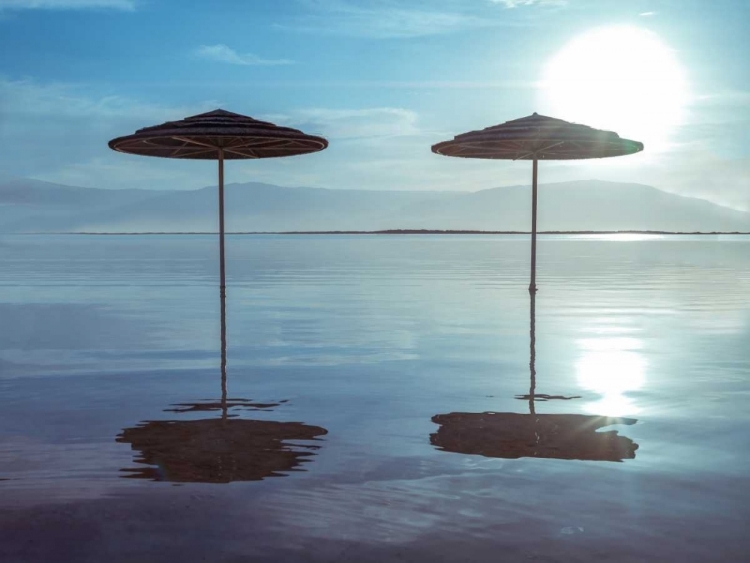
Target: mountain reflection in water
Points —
{"points": [[516, 435]]}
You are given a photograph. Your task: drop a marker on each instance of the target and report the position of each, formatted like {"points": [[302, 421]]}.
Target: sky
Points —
{"points": [[383, 80]]}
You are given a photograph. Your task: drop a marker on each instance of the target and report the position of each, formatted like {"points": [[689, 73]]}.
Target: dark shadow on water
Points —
{"points": [[516, 435], [219, 450]]}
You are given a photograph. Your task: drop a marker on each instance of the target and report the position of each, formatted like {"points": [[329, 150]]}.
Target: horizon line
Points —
{"points": [[389, 232]]}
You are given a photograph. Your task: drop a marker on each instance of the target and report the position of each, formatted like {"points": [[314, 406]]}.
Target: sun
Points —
{"points": [[622, 79]]}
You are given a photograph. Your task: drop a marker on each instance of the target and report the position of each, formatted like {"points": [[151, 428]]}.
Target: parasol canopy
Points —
{"points": [[537, 137], [207, 135]]}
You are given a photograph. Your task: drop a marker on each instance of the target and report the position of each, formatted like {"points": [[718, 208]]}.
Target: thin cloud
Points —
{"points": [[364, 123], [31, 99], [224, 54], [517, 3], [58, 132], [124, 5], [647, 14], [49, 127], [384, 19]]}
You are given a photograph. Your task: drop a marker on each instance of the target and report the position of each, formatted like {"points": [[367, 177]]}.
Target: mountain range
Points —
{"points": [[28, 205]]}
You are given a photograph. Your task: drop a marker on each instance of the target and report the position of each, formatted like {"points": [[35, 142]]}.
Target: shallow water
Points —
{"points": [[345, 348]]}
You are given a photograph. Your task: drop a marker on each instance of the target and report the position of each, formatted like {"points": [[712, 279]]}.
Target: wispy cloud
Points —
{"points": [[364, 123], [647, 14], [382, 19], [517, 3], [734, 99], [224, 54], [29, 99], [58, 132], [126, 5], [46, 128]]}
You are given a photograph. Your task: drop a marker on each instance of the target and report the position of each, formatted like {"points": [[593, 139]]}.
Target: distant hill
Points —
{"points": [[33, 206]]}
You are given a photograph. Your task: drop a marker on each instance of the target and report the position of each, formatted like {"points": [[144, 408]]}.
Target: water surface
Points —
{"points": [[349, 361]]}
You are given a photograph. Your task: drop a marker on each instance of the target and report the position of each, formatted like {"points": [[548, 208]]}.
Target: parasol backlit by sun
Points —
{"points": [[618, 78]]}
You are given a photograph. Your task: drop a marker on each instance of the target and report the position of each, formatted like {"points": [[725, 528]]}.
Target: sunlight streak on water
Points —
{"points": [[611, 367]]}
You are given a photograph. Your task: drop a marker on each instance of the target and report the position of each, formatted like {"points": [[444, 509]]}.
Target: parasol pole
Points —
{"points": [[223, 286], [222, 289], [532, 285]]}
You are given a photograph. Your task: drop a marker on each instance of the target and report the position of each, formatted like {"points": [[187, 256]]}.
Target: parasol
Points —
{"points": [[537, 137], [218, 135]]}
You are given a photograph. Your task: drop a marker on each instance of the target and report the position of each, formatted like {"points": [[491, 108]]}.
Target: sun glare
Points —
{"points": [[622, 79], [611, 367]]}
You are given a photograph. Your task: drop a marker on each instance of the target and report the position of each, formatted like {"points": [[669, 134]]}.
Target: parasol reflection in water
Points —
{"points": [[515, 435], [219, 450]]}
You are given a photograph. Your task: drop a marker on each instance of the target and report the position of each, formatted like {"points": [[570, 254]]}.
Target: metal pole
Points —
{"points": [[532, 285], [222, 290], [222, 286]]}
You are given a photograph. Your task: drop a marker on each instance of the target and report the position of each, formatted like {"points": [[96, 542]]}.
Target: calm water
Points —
{"points": [[343, 349]]}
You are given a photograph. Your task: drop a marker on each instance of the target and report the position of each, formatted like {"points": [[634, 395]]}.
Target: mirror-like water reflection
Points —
{"points": [[558, 436], [224, 404], [368, 338], [219, 450], [513, 435]]}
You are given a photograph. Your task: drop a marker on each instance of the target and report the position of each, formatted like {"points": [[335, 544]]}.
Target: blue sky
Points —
{"points": [[382, 79]]}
